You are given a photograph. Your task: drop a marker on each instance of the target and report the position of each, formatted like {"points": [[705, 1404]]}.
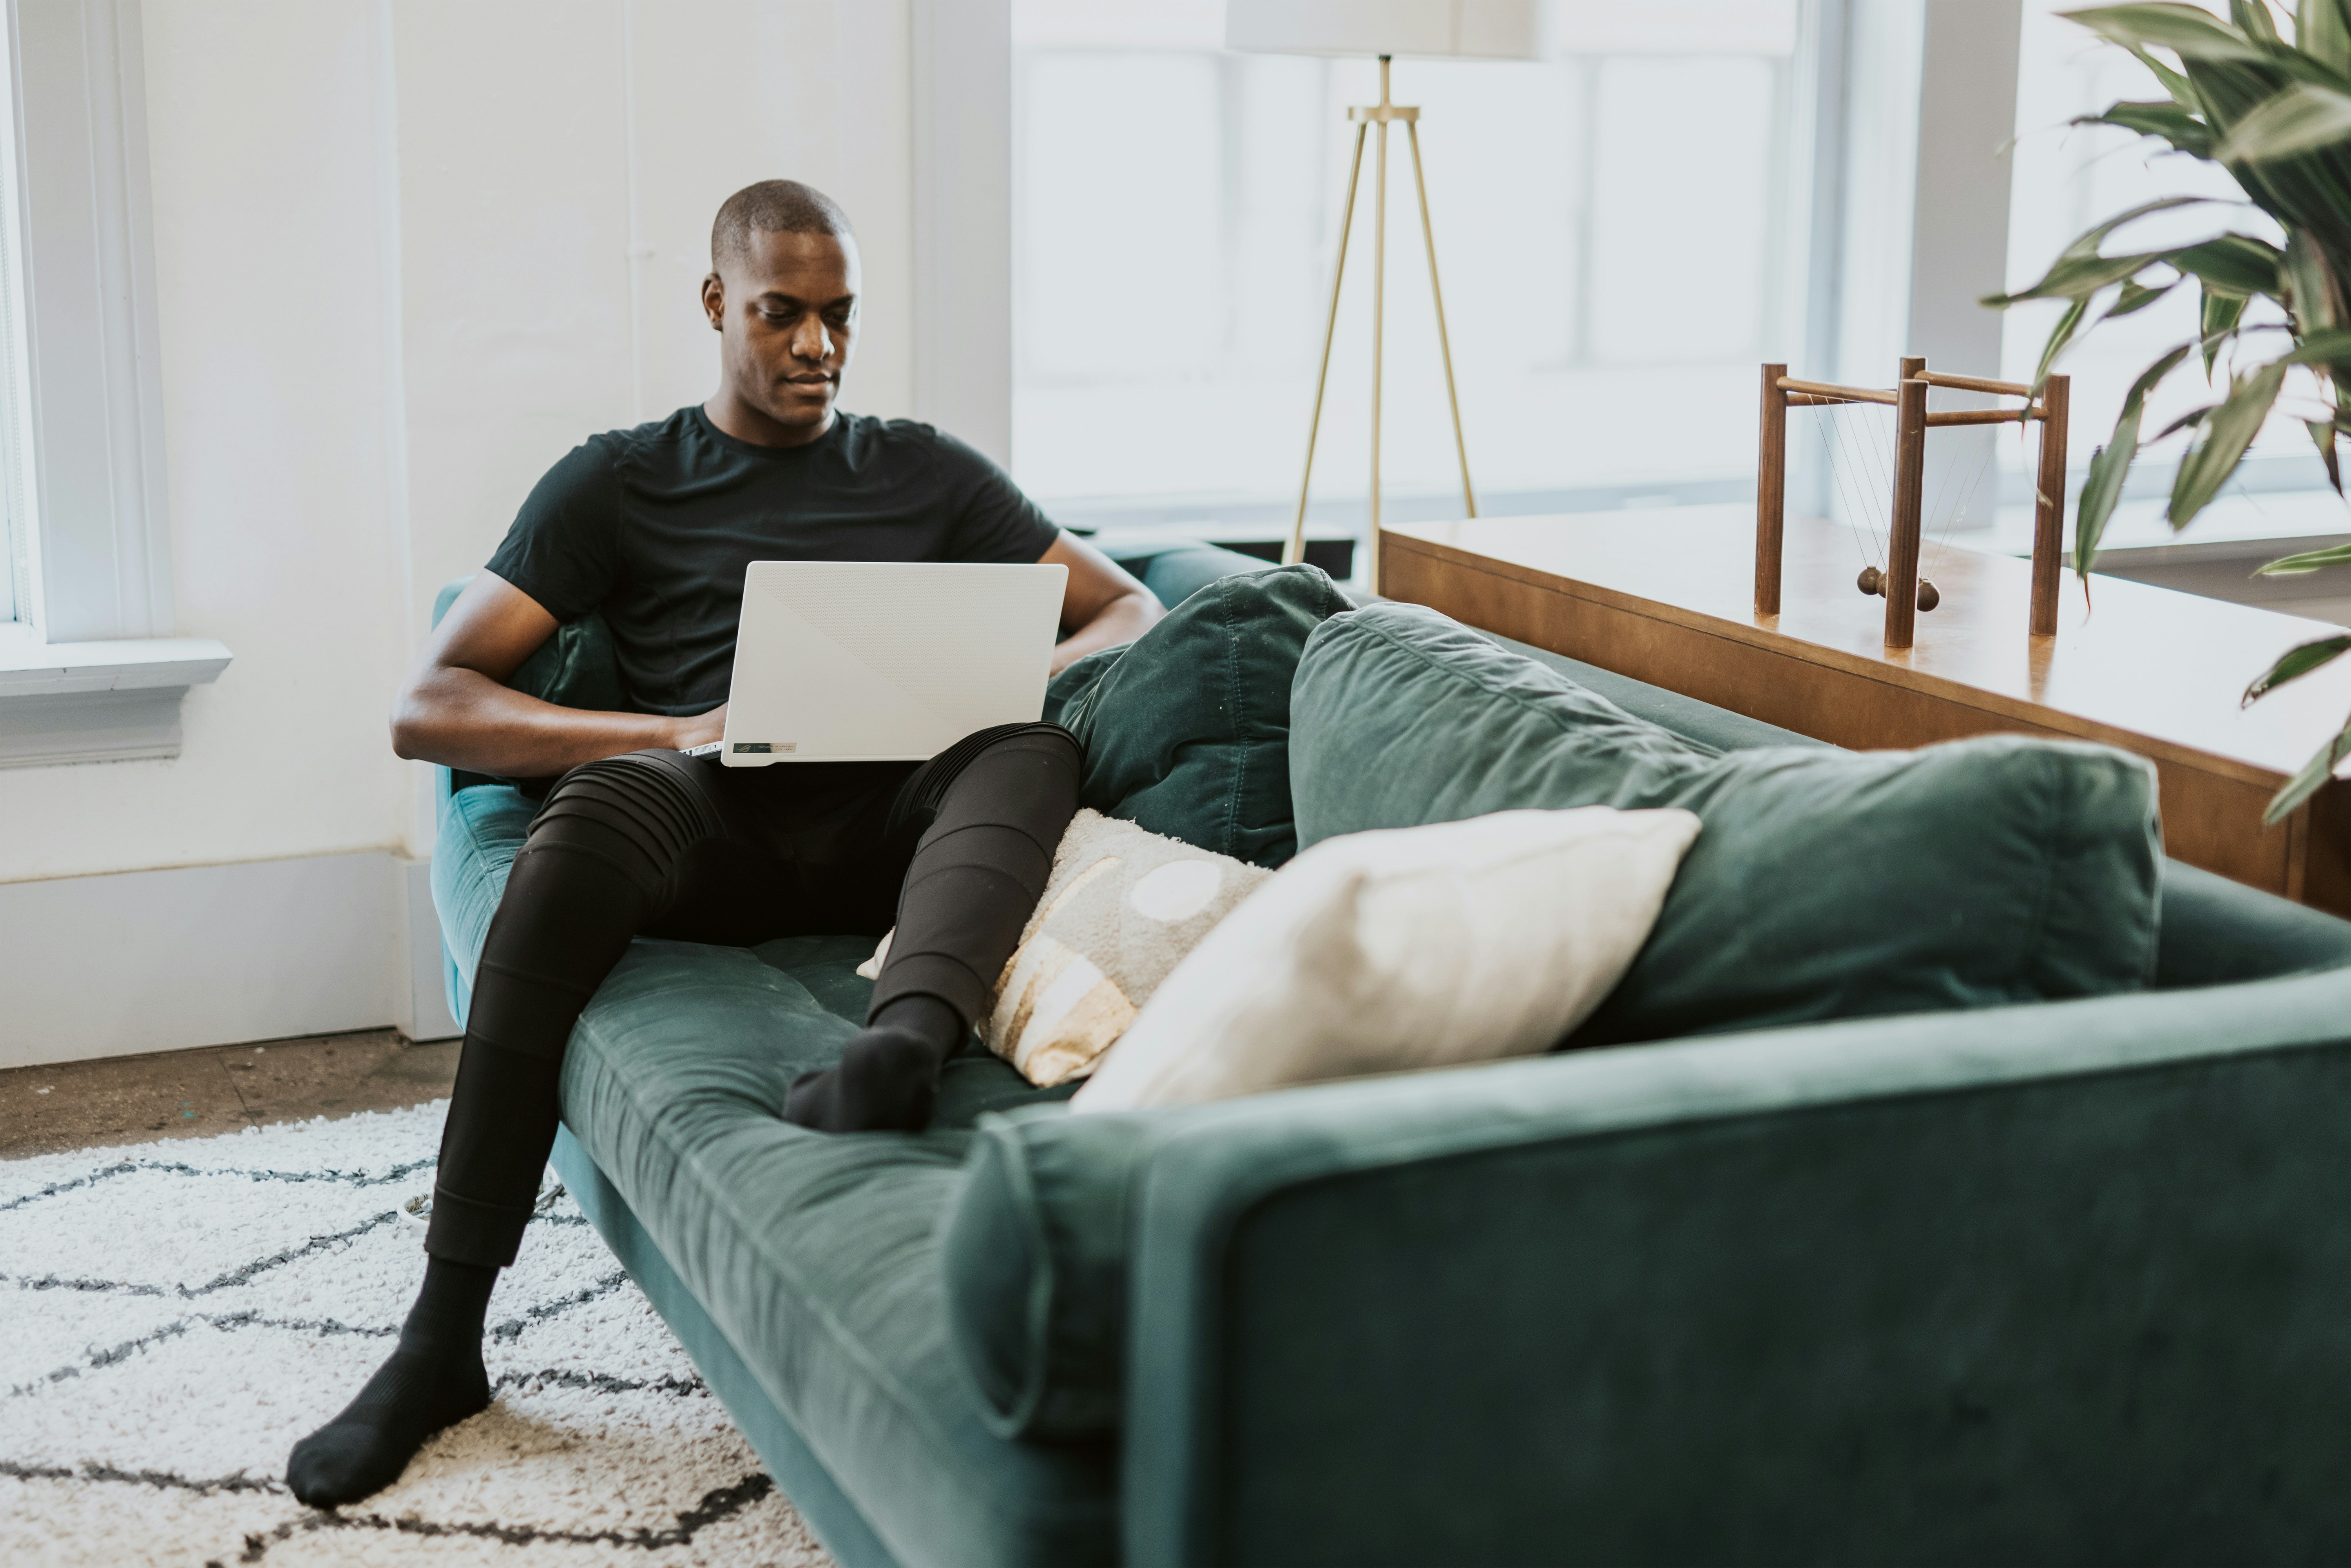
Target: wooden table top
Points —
{"points": [[2160, 671]]}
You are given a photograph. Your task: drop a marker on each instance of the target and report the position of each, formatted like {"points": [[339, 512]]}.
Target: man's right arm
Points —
{"points": [[457, 710]]}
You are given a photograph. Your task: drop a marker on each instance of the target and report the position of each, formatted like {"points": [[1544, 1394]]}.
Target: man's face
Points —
{"points": [[786, 311]]}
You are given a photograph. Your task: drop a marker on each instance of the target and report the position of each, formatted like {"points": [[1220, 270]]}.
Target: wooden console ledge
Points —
{"points": [[1668, 598]]}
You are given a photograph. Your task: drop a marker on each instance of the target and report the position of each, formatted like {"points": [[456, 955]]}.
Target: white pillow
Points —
{"points": [[1411, 947]]}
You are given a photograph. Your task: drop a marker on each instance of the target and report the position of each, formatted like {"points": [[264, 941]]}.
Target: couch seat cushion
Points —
{"points": [[818, 1255], [1826, 884]]}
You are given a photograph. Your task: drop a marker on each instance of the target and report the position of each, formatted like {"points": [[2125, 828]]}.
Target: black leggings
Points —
{"points": [[660, 844]]}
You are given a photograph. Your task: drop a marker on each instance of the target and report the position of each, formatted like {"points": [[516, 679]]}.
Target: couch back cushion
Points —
{"points": [[1186, 729], [1826, 884]]}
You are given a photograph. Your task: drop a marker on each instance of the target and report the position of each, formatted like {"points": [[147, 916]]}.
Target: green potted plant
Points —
{"points": [[2276, 114]]}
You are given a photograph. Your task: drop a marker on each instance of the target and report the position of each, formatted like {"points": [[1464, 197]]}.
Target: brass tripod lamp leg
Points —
{"points": [[1379, 317], [1295, 551], [1444, 343]]}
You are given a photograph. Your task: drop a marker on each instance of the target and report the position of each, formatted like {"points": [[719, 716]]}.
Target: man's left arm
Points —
{"points": [[1102, 606]]}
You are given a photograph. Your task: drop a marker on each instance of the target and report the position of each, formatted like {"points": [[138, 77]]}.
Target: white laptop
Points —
{"points": [[885, 660]]}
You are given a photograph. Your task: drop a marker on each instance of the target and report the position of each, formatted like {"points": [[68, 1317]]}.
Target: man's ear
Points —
{"points": [[714, 302]]}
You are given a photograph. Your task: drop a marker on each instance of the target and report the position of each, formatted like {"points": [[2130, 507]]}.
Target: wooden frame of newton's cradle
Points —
{"points": [[1899, 581]]}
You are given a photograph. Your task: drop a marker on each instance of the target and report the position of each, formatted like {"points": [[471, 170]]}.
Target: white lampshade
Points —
{"points": [[1481, 29]]}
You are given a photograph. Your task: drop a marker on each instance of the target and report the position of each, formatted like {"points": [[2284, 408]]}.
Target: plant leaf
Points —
{"points": [[2308, 562], [2323, 31], [2309, 287], [2111, 462], [2294, 663], [2222, 313], [2161, 118], [2312, 778], [2328, 348], [2059, 336], [2073, 278], [2252, 19], [2321, 433], [2189, 420], [2187, 31], [2220, 444], [2233, 263], [2085, 249], [2302, 119], [2137, 296]]}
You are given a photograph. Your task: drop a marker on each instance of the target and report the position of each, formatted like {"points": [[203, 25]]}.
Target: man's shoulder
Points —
{"points": [[866, 438], [651, 439]]}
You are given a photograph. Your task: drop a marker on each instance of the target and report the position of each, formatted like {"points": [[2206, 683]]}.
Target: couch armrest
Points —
{"points": [[2053, 1282]]}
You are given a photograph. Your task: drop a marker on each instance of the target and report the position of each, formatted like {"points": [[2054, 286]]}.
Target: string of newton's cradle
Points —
{"points": [[1861, 468]]}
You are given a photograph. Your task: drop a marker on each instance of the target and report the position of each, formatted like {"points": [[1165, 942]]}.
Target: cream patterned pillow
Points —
{"points": [[1121, 909]]}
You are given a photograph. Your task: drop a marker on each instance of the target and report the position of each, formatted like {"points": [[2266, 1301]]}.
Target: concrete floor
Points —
{"points": [[219, 1089]]}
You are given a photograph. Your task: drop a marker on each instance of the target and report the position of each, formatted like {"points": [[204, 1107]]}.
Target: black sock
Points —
{"points": [[433, 1379], [888, 1078]]}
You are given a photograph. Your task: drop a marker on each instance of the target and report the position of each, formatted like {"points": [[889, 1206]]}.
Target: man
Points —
{"points": [[653, 527]]}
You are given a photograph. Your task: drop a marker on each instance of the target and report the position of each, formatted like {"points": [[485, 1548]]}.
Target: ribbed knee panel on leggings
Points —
{"points": [[997, 804], [596, 869]]}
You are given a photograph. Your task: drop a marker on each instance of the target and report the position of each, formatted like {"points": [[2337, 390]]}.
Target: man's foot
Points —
{"points": [[888, 1076], [434, 1379]]}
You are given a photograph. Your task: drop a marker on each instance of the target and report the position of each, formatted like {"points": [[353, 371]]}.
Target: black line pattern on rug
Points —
{"points": [[166, 1479], [247, 1318], [178, 1167], [279, 1258], [510, 1330], [716, 1507], [237, 1276], [243, 1275], [513, 1327], [602, 1383]]}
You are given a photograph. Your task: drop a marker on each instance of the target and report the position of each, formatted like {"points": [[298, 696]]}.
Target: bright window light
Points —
{"points": [[1614, 265]]}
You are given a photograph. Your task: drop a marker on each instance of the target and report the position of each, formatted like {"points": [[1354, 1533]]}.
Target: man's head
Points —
{"points": [[782, 296]]}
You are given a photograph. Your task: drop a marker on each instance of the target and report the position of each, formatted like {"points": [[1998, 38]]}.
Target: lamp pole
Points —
{"points": [[1383, 114]]}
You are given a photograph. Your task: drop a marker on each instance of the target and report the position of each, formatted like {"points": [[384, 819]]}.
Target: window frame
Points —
{"points": [[89, 668]]}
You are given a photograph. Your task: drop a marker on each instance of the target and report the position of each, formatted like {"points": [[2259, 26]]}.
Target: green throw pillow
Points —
{"points": [[1824, 884], [1186, 729]]}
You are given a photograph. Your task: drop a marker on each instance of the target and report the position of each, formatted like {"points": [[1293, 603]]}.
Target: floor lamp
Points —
{"points": [[1477, 29]]}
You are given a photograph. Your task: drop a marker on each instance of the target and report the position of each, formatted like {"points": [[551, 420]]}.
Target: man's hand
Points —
{"points": [[455, 708], [701, 729], [1103, 605]]}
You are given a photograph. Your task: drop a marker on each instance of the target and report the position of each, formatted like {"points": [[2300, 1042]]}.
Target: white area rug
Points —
{"points": [[173, 1316]]}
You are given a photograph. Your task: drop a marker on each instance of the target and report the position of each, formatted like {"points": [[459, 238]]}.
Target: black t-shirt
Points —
{"points": [[654, 527]]}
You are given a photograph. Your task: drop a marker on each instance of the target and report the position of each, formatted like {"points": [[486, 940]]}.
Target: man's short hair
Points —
{"points": [[774, 207]]}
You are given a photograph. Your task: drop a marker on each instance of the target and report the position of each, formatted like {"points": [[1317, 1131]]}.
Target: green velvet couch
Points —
{"points": [[2049, 1283]]}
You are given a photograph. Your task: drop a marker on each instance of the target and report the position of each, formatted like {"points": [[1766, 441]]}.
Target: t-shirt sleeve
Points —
{"points": [[994, 520], [564, 547]]}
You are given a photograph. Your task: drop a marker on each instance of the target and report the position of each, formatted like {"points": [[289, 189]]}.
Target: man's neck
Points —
{"points": [[739, 419]]}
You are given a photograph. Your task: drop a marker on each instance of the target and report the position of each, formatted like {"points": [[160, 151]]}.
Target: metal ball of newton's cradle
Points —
{"points": [[1873, 580]]}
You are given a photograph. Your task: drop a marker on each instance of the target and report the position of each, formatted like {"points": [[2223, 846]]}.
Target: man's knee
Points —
{"points": [[640, 812]]}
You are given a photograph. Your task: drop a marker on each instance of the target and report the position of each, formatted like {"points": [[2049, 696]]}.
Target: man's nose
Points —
{"points": [[809, 340]]}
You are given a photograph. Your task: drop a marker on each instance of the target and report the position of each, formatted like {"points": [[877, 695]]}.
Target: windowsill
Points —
{"points": [[98, 702]]}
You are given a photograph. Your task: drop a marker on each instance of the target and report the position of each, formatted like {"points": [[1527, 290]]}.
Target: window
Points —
{"points": [[89, 669], [1614, 265], [15, 558]]}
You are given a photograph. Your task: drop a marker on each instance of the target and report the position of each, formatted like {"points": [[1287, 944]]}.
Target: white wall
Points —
{"points": [[407, 255]]}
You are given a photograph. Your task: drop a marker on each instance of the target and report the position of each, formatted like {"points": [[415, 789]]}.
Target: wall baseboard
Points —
{"points": [[167, 960]]}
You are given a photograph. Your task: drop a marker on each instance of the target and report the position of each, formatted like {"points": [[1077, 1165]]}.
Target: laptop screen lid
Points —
{"points": [[885, 660]]}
